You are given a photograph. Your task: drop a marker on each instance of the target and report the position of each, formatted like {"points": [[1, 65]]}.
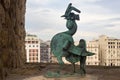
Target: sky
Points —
{"points": [[97, 17]]}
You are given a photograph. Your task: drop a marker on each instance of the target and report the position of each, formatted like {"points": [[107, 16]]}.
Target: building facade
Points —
{"points": [[109, 51], [45, 55], [32, 46], [93, 46], [106, 49]]}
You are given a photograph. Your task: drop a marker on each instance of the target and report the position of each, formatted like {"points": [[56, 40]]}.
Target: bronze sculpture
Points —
{"points": [[62, 44]]}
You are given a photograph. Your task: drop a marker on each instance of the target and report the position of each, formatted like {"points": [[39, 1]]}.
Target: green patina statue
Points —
{"points": [[62, 44]]}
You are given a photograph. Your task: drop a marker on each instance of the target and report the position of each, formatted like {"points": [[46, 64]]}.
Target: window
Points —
{"points": [[33, 58], [111, 55], [36, 54], [36, 58], [117, 43], [95, 50], [113, 52], [33, 50], [105, 64], [36, 41], [29, 58], [30, 54], [33, 41], [29, 41], [33, 54], [88, 63], [30, 50], [111, 46], [36, 50], [95, 57]]}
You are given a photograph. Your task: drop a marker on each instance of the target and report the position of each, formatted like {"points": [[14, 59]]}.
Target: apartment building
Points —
{"points": [[106, 49], [93, 46], [45, 55], [109, 51], [32, 46]]}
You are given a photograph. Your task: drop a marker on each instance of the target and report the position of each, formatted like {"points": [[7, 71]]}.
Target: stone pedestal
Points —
{"points": [[87, 77]]}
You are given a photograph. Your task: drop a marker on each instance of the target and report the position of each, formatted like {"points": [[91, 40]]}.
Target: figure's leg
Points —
{"points": [[82, 65]]}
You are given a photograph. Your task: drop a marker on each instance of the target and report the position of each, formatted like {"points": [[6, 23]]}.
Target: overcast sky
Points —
{"points": [[97, 17]]}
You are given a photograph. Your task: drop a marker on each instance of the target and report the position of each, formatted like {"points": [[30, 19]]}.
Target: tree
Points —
{"points": [[12, 34]]}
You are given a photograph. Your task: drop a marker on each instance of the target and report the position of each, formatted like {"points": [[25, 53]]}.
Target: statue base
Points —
{"points": [[67, 76]]}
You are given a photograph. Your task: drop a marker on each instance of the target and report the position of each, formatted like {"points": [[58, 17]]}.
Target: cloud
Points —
{"points": [[111, 5], [43, 18], [85, 35], [39, 2]]}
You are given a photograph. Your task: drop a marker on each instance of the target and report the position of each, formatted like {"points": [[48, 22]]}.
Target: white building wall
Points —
{"points": [[32, 43], [93, 46], [27, 54], [110, 51]]}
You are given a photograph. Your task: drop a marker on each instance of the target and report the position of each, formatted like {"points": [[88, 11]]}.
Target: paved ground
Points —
{"points": [[37, 72]]}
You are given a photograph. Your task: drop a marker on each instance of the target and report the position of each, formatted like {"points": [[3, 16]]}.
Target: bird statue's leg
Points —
{"points": [[82, 65], [61, 63], [73, 67]]}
